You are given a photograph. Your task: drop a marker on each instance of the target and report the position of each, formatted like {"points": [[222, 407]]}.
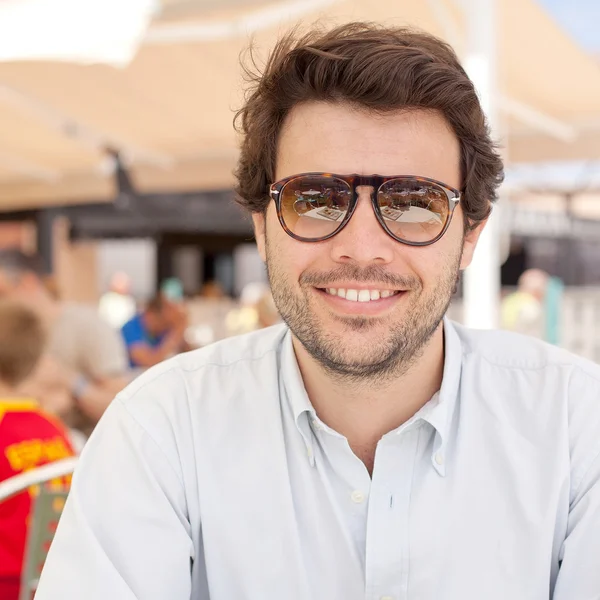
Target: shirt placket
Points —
{"points": [[348, 482], [387, 549]]}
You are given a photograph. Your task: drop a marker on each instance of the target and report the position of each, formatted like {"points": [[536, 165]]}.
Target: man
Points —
{"points": [[155, 334], [369, 448], [85, 364]]}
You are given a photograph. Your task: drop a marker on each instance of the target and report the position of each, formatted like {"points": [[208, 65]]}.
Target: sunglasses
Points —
{"points": [[313, 207]]}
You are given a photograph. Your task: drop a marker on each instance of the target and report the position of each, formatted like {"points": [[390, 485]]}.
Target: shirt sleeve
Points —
{"points": [[133, 333], [579, 573], [124, 532], [579, 558], [103, 353]]}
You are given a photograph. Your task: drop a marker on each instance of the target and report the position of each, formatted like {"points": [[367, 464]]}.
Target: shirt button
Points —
{"points": [[439, 458], [317, 425], [357, 496]]}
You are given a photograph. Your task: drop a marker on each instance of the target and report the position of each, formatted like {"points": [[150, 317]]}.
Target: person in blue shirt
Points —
{"points": [[155, 333]]}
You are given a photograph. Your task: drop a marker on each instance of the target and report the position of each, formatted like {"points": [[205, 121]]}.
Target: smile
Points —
{"points": [[360, 295]]}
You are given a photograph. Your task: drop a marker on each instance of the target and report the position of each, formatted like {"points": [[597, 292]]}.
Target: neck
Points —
{"points": [[365, 411], [8, 392]]}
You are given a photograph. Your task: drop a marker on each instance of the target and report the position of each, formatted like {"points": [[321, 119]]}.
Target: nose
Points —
{"points": [[363, 241]]}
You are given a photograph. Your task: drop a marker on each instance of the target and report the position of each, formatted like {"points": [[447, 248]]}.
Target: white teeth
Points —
{"points": [[360, 295]]}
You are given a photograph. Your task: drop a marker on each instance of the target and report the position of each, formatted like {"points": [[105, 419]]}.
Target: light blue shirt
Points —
{"points": [[134, 333], [211, 477]]}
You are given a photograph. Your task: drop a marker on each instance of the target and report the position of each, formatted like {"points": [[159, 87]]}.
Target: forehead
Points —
{"points": [[338, 138]]}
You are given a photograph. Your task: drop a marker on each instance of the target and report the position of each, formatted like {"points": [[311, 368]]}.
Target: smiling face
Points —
{"points": [[321, 289]]}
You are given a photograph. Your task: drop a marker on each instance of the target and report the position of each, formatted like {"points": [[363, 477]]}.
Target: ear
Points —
{"points": [[470, 243], [258, 220]]}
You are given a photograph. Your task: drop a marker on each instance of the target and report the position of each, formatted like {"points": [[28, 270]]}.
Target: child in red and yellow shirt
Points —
{"points": [[29, 437]]}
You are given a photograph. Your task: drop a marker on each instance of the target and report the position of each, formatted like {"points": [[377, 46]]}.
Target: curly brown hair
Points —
{"points": [[376, 68]]}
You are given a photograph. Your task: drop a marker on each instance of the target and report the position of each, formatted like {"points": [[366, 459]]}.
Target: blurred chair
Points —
{"points": [[45, 513]]}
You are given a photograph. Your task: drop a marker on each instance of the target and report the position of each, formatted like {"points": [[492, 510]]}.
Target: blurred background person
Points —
{"points": [[212, 290], [29, 437], [266, 311], [172, 289], [117, 305], [207, 311], [523, 310], [156, 333], [52, 286], [252, 307], [85, 361]]}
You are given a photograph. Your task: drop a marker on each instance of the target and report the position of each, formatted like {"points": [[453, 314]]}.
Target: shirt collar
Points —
{"points": [[439, 412], [442, 407], [295, 391]]}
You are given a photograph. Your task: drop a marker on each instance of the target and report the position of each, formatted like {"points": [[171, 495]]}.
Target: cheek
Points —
{"points": [[434, 264], [294, 260], [425, 265], [289, 256]]}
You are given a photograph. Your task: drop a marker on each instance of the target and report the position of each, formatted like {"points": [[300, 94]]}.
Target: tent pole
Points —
{"points": [[482, 279]]}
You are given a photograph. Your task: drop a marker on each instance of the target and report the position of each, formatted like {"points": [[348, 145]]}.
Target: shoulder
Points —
{"points": [[509, 350], [133, 324], [537, 388], [82, 317], [241, 349], [78, 311], [217, 388], [528, 366], [38, 421], [229, 366]]}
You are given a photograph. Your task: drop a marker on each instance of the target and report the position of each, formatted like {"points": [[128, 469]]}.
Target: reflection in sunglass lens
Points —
{"points": [[314, 206], [412, 210]]}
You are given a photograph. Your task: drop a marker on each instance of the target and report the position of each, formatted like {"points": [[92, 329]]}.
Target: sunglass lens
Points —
{"points": [[314, 206], [413, 210]]}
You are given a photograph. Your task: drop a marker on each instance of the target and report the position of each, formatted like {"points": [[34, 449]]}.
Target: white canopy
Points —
{"points": [[169, 111]]}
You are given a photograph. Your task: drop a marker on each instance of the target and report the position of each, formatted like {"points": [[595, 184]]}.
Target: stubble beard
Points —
{"points": [[382, 361]]}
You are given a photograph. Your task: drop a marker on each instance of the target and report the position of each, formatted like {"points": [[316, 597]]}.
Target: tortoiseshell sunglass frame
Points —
{"points": [[376, 182]]}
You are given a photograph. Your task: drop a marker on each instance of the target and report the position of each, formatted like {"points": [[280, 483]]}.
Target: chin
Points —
{"points": [[360, 324], [357, 363]]}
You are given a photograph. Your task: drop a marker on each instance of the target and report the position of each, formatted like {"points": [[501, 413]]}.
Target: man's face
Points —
{"points": [[379, 337], [157, 322]]}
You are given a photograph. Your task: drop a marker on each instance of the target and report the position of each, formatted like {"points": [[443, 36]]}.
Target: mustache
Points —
{"points": [[373, 274]]}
